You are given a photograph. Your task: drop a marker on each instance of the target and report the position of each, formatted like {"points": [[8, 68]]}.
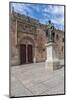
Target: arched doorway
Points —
{"points": [[26, 50]]}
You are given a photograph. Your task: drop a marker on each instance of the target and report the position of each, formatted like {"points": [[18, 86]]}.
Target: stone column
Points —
{"points": [[26, 53], [34, 58], [52, 62]]}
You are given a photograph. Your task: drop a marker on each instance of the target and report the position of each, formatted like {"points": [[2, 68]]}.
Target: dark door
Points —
{"points": [[29, 53], [22, 54]]}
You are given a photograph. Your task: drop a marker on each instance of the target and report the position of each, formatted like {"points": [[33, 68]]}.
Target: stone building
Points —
{"points": [[28, 39]]}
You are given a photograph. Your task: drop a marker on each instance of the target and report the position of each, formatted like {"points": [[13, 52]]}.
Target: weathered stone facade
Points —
{"points": [[28, 31]]}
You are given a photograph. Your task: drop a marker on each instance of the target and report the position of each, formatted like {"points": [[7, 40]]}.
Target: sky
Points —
{"points": [[42, 12]]}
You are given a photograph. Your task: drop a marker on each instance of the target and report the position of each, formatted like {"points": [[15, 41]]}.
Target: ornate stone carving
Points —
{"points": [[26, 27]]}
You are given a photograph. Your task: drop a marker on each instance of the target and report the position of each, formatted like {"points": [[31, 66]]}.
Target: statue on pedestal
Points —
{"points": [[50, 33], [52, 61]]}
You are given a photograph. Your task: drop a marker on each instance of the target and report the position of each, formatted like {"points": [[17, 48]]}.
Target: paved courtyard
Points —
{"points": [[34, 79]]}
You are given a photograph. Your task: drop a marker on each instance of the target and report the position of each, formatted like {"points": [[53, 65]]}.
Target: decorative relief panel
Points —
{"points": [[26, 28]]}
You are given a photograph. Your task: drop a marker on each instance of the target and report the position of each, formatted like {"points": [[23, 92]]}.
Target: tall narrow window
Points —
{"points": [[62, 48], [57, 37], [63, 40]]}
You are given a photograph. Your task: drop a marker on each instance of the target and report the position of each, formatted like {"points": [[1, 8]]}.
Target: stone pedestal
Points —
{"points": [[52, 62], [34, 60]]}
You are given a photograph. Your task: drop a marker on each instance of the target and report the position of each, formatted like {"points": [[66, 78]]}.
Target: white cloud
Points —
{"points": [[21, 8], [54, 9], [52, 12], [56, 14]]}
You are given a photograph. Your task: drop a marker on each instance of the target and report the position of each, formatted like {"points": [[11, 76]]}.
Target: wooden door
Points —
{"points": [[29, 54], [23, 54]]}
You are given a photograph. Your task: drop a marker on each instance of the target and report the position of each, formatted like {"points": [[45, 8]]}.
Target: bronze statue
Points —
{"points": [[50, 32]]}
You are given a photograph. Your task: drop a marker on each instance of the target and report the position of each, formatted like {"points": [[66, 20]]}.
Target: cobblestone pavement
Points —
{"points": [[34, 79]]}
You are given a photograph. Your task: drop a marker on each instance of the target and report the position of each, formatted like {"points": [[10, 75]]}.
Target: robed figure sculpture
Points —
{"points": [[50, 32]]}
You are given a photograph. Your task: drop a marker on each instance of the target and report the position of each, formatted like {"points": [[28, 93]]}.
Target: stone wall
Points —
{"points": [[21, 28]]}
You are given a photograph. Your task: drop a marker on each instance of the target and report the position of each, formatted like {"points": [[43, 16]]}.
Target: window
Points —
{"points": [[63, 39], [57, 37], [62, 49]]}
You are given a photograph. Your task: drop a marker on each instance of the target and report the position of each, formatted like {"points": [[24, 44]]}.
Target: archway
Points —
{"points": [[27, 52]]}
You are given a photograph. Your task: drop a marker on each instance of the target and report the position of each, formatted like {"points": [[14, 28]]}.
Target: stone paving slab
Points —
{"points": [[34, 79]]}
